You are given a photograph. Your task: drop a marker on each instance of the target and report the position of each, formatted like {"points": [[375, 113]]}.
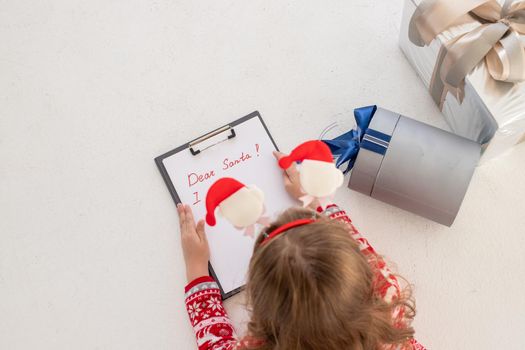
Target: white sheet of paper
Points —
{"points": [[248, 158]]}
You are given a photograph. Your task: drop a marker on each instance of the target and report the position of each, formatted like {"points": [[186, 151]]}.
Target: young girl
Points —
{"points": [[313, 283]]}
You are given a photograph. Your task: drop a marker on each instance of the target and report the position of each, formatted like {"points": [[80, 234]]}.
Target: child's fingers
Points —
{"points": [[190, 221], [286, 179], [278, 155], [292, 170], [293, 174], [200, 230], [182, 217], [189, 212]]}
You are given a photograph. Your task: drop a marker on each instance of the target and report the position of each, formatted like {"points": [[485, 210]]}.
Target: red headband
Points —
{"points": [[285, 227]]}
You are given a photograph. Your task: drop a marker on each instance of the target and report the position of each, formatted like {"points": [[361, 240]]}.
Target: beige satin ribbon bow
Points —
{"points": [[497, 40]]}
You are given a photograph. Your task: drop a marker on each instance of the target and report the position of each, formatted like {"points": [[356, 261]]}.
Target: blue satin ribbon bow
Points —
{"points": [[346, 147]]}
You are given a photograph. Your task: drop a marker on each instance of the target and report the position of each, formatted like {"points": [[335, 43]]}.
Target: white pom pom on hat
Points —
{"points": [[318, 175], [241, 205]]}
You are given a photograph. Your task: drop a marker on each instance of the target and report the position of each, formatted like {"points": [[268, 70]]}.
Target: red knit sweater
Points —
{"points": [[213, 328]]}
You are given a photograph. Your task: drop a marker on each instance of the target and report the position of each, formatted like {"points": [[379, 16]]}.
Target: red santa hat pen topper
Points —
{"points": [[318, 176], [242, 206]]}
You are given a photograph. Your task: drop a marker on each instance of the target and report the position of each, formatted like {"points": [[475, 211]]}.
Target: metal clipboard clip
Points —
{"points": [[209, 136]]}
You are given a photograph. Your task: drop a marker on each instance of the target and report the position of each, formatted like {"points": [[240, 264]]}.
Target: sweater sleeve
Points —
{"points": [[212, 327]]}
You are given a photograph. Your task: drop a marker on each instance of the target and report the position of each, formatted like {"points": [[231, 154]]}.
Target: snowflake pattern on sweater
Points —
{"points": [[214, 330]]}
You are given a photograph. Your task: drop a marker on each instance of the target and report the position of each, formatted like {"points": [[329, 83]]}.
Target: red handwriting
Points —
{"points": [[227, 163], [194, 178], [197, 200]]}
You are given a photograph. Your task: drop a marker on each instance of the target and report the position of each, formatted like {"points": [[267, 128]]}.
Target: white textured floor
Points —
{"points": [[92, 91]]}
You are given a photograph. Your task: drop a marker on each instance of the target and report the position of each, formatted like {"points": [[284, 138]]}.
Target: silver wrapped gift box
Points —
{"points": [[414, 166], [492, 112]]}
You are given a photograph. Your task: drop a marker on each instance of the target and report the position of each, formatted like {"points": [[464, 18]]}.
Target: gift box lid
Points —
{"points": [[373, 148]]}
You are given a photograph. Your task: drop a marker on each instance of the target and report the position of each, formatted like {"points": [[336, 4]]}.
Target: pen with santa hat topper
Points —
{"points": [[241, 205], [318, 176]]}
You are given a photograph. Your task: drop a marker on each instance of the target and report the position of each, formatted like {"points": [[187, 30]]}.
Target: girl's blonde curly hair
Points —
{"points": [[312, 288]]}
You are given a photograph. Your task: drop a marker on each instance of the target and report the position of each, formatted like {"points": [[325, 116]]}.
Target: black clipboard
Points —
{"points": [[192, 146]]}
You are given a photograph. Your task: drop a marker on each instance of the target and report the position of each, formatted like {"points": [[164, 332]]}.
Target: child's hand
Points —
{"points": [[291, 178], [292, 183], [194, 244]]}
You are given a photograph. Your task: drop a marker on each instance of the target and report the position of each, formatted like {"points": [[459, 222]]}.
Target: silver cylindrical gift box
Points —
{"points": [[414, 166]]}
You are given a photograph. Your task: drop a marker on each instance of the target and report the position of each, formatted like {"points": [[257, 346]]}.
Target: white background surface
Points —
{"points": [[92, 91]]}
